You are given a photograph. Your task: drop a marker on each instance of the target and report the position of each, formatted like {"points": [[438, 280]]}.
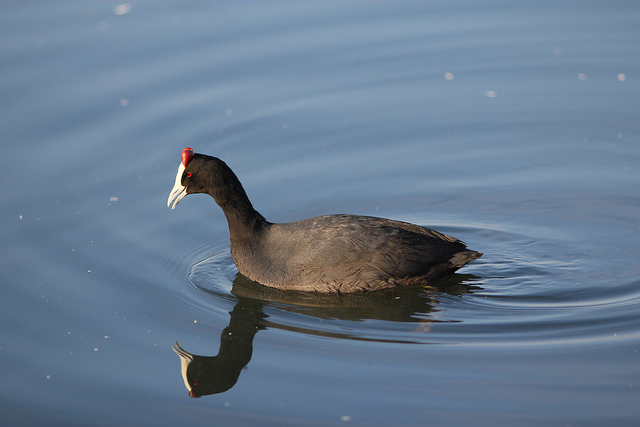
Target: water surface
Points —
{"points": [[512, 126]]}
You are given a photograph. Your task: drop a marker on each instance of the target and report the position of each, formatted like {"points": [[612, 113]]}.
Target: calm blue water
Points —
{"points": [[514, 126]]}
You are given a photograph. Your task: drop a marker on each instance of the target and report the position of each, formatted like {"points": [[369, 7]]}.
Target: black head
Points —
{"points": [[198, 173]]}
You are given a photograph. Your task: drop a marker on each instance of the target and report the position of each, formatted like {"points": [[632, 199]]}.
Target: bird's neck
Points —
{"points": [[243, 219]]}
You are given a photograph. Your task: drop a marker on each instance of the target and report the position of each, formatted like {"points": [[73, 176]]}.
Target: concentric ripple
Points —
{"points": [[517, 295]]}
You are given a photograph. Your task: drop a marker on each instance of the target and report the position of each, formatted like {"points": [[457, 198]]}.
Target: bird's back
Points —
{"points": [[346, 253]]}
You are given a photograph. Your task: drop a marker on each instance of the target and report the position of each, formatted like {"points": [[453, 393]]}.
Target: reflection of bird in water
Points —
{"points": [[330, 253], [205, 375]]}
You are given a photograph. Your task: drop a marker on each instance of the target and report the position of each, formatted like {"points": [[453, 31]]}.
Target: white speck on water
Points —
{"points": [[122, 9], [449, 76], [345, 418], [491, 94], [582, 76], [621, 77], [124, 102], [113, 199]]}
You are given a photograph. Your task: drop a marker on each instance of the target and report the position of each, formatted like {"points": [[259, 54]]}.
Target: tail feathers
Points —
{"points": [[462, 258], [443, 269]]}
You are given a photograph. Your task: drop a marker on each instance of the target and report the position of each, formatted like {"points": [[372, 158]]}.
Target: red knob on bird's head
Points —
{"points": [[187, 155]]}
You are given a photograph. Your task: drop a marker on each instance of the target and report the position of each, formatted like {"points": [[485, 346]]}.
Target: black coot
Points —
{"points": [[331, 253]]}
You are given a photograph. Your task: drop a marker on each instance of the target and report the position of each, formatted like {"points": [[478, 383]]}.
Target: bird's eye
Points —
{"points": [[189, 174]]}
